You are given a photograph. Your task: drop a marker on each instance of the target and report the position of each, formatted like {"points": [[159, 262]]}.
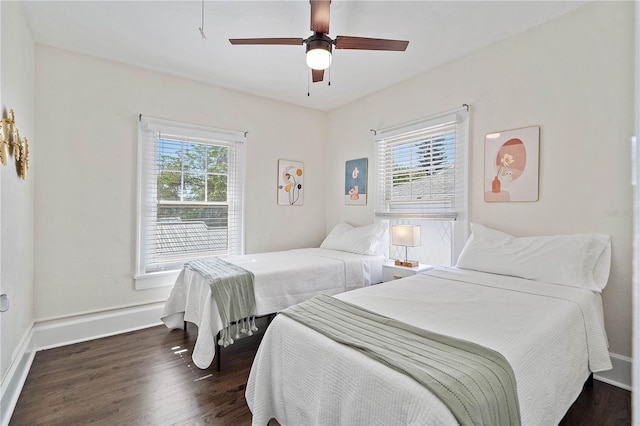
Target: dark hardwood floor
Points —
{"points": [[147, 378], [600, 404]]}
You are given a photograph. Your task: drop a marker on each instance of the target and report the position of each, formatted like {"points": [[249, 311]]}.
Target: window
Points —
{"points": [[422, 180], [190, 195]]}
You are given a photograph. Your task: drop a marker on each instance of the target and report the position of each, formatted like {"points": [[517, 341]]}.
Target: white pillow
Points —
{"points": [[366, 239], [336, 235], [580, 260]]}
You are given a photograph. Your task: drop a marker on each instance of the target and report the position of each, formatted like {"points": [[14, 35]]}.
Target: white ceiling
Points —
{"points": [[164, 36]]}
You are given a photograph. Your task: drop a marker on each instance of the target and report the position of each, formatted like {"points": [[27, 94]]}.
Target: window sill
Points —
{"points": [[156, 279]]}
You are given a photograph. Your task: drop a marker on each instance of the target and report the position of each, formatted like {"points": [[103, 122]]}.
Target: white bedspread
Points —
{"points": [[281, 279], [551, 335]]}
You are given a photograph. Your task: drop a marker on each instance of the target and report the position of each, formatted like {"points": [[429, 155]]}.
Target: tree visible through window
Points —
{"points": [[432, 154], [422, 158], [190, 171]]}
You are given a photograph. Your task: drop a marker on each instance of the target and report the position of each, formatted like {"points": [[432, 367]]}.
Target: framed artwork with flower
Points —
{"points": [[290, 183], [355, 182], [511, 165]]}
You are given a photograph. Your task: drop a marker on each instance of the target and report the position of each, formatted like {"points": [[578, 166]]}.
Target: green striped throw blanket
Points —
{"points": [[477, 384], [232, 290]]}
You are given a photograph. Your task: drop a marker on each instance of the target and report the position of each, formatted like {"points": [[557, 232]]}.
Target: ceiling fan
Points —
{"points": [[319, 44]]}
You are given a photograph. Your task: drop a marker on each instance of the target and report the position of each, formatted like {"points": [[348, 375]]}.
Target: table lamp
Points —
{"points": [[407, 236]]}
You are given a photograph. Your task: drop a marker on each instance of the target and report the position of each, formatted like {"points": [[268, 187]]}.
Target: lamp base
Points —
{"points": [[407, 263]]}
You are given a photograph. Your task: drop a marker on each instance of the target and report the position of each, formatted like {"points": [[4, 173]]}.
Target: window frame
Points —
{"points": [[150, 131], [414, 212]]}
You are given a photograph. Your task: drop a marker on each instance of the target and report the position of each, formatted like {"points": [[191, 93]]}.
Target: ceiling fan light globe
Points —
{"points": [[318, 59]]}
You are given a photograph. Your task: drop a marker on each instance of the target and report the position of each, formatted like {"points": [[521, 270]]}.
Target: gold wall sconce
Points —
{"points": [[10, 144]]}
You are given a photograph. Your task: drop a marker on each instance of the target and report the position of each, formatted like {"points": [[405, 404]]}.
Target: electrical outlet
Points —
{"points": [[4, 303]]}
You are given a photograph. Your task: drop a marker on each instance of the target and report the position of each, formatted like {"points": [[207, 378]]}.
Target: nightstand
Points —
{"points": [[392, 272]]}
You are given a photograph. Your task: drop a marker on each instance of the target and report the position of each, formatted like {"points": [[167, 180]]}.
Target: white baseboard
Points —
{"points": [[67, 331], [16, 377], [620, 375], [61, 332]]}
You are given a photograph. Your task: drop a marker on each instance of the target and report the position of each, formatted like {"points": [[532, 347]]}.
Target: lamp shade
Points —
{"points": [[405, 235]]}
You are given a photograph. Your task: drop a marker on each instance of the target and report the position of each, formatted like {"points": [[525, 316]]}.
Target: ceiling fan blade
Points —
{"points": [[364, 43], [317, 75], [287, 41], [320, 16]]}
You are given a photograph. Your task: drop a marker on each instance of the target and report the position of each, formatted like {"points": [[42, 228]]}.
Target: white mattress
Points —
{"points": [[552, 336], [281, 279]]}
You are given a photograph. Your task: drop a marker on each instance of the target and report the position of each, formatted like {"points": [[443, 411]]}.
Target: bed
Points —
{"points": [[548, 325], [349, 258]]}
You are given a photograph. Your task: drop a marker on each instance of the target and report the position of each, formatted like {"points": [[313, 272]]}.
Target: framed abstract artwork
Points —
{"points": [[355, 182], [511, 165], [290, 183]]}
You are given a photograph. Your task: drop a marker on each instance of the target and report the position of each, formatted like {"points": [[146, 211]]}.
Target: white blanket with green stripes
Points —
{"points": [[476, 383], [232, 289]]}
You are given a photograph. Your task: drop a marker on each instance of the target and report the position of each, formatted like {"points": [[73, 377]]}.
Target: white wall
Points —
{"points": [[86, 122], [573, 78], [17, 196]]}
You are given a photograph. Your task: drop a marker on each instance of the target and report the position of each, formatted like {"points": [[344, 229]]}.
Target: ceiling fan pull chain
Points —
{"points": [[329, 84], [308, 77]]}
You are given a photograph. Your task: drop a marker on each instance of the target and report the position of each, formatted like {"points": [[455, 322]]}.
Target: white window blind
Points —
{"points": [[190, 194], [422, 168]]}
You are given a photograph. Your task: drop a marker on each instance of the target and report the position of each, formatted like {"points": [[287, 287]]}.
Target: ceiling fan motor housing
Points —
{"points": [[319, 41]]}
